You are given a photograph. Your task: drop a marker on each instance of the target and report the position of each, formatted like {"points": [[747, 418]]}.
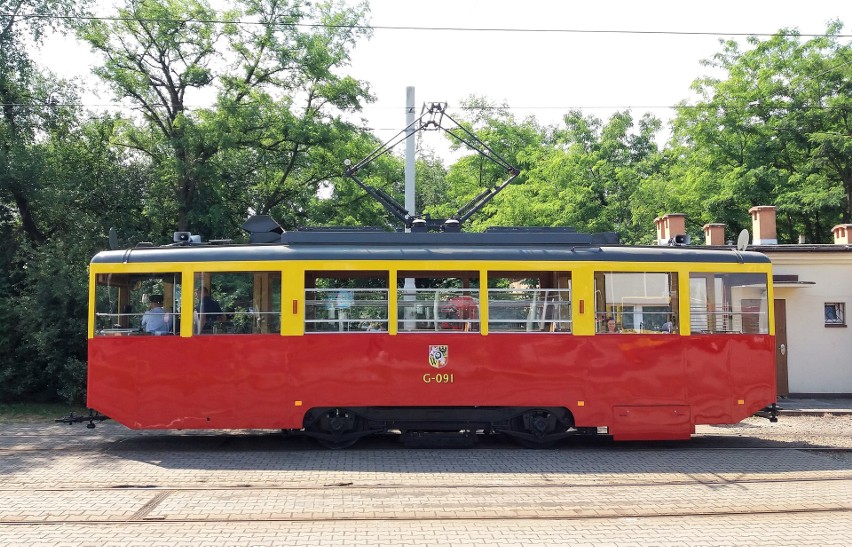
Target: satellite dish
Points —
{"points": [[742, 240]]}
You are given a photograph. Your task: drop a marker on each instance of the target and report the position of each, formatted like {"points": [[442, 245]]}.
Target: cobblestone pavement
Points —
{"points": [[752, 484], [825, 529]]}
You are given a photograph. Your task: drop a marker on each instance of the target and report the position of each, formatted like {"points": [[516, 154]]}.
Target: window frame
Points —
{"points": [[128, 306], [605, 310], [550, 305], [333, 306], [264, 322], [839, 313], [728, 302], [449, 310]]}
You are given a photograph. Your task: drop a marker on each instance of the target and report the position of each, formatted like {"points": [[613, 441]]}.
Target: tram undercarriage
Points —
{"points": [[532, 427]]}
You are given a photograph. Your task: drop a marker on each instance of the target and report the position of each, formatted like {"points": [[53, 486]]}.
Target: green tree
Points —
{"points": [[85, 187], [269, 139], [42, 287], [30, 102], [518, 143], [586, 174], [773, 131], [431, 187], [341, 202]]}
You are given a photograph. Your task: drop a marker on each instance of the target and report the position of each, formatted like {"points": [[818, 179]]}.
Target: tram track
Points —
{"points": [[483, 518], [840, 439], [548, 483], [842, 451], [173, 506]]}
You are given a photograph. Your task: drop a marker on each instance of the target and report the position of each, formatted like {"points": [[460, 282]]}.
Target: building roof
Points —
{"points": [[802, 248]]}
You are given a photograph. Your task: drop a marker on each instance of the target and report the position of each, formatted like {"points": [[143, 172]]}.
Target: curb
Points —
{"points": [[815, 412]]}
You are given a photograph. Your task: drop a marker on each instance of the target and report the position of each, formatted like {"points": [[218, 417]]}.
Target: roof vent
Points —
{"points": [[263, 229], [419, 225], [451, 225]]}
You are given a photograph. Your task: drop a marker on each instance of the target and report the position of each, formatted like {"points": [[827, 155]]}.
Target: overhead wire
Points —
{"points": [[416, 28], [190, 107]]}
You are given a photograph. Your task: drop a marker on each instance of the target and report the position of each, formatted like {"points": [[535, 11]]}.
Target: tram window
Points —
{"points": [[728, 303], [237, 303], [346, 301], [139, 303], [638, 302], [438, 301], [529, 302]]}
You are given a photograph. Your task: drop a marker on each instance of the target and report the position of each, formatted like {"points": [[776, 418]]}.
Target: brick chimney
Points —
{"points": [[842, 234], [714, 234], [763, 225], [669, 226]]}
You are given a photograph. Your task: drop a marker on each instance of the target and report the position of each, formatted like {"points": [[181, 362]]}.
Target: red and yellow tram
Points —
{"points": [[341, 335]]}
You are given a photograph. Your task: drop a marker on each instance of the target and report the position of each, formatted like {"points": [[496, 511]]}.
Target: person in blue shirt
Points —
{"points": [[155, 320]]}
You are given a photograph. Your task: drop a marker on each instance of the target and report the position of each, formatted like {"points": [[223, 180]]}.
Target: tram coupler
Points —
{"points": [[770, 412], [92, 417]]}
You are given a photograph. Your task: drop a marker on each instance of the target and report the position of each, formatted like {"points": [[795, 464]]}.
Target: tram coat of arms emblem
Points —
{"points": [[438, 356]]}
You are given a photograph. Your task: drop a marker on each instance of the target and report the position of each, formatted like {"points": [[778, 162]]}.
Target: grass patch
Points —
{"points": [[36, 412]]}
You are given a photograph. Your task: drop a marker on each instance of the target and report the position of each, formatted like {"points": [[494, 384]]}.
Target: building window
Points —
{"points": [[835, 314]]}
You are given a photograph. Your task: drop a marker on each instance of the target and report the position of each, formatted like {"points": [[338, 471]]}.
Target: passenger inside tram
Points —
{"points": [[208, 311], [155, 320], [611, 326]]}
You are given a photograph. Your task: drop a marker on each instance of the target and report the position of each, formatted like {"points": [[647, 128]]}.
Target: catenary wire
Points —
{"points": [[408, 28]]}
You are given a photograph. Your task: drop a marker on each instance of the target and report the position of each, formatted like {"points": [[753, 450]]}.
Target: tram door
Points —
{"points": [[781, 347]]}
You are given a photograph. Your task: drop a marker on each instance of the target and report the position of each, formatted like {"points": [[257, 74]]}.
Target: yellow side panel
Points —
{"points": [[293, 300]]}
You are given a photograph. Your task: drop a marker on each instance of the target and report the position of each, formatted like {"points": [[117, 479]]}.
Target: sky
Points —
{"points": [[544, 74]]}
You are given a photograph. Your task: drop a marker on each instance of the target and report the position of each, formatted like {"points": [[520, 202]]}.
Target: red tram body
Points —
{"points": [[340, 336]]}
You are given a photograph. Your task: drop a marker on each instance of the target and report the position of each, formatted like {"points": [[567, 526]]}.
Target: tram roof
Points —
{"points": [[427, 246]]}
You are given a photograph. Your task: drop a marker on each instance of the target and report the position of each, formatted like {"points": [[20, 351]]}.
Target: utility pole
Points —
{"points": [[410, 292], [410, 205]]}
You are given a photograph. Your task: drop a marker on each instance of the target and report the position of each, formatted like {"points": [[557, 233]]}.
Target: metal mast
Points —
{"points": [[409, 151]]}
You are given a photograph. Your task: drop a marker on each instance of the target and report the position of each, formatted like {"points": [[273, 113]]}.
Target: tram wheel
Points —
{"points": [[539, 429], [337, 429]]}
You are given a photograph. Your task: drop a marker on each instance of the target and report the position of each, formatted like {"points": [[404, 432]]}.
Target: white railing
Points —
{"points": [[346, 310], [529, 310], [118, 324], [430, 310], [728, 322]]}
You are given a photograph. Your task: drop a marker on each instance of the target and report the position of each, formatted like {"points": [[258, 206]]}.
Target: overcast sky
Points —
{"points": [[546, 73], [543, 73]]}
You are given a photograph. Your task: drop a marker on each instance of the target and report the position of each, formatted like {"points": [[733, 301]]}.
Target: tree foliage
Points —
{"points": [[276, 128], [774, 130], [584, 174]]}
